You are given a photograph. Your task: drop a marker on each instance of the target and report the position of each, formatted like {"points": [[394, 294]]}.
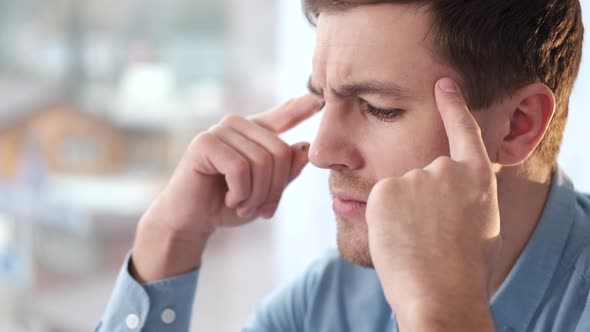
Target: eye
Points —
{"points": [[386, 115]]}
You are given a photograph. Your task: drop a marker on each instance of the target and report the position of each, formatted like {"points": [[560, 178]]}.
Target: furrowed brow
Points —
{"points": [[386, 89], [312, 89]]}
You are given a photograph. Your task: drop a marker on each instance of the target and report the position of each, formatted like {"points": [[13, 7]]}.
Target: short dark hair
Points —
{"points": [[515, 42]]}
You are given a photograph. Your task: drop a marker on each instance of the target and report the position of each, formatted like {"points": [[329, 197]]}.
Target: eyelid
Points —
{"points": [[384, 114], [314, 92], [312, 89]]}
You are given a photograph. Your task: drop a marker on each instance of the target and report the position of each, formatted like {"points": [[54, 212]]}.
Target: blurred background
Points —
{"points": [[98, 100]]}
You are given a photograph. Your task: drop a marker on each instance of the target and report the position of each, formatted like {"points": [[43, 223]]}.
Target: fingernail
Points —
{"points": [[447, 85], [247, 213], [269, 210]]}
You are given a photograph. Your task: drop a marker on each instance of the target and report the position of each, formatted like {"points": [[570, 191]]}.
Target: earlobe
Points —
{"points": [[535, 105]]}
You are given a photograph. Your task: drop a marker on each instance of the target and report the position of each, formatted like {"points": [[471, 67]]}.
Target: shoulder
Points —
{"points": [[328, 274], [583, 205], [332, 265], [326, 280], [335, 287], [318, 291], [333, 282], [580, 235]]}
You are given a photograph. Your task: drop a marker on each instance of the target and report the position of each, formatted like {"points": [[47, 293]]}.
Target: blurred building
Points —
{"points": [[67, 140], [100, 99], [68, 177]]}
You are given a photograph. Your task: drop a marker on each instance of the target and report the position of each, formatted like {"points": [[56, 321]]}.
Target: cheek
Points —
{"points": [[400, 147]]}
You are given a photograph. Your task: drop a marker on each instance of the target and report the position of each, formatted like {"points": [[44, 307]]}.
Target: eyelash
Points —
{"points": [[386, 115]]}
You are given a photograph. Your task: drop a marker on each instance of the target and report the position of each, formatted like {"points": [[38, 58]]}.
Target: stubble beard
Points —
{"points": [[353, 235], [353, 241]]}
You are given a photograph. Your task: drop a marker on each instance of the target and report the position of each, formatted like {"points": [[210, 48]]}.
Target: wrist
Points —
{"points": [[160, 252], [436, 284], [455, 312]]}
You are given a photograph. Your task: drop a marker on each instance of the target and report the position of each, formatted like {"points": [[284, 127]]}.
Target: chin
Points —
{"points": [[353, 241]]}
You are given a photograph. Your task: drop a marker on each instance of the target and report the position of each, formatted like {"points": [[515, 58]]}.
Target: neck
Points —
{"points": [[522, 193]]}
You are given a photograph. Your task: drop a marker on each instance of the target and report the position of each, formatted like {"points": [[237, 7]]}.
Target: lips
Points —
{"points": [[348, 206]]}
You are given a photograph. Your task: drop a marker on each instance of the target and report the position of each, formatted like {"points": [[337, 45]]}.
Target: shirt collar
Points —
{"points": [[517, 299]]}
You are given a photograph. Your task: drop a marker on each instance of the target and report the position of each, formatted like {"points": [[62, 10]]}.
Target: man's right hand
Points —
{"points": [[229, 175]]}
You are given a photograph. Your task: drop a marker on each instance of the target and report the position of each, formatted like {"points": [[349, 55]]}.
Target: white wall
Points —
{"points": [[575, 152]]}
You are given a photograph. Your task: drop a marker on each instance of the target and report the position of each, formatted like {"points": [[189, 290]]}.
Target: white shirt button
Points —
{"points": [[132, 321], [168, 316]]}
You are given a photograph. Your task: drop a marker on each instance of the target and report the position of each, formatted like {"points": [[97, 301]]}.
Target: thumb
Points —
{"points": [[299, 160]]}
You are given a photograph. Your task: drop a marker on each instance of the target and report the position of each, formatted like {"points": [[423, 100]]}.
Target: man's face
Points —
{"points": [[376, 68]]}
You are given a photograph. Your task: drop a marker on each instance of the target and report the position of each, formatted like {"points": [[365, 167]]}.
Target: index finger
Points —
{"points": [[290, 114], [464, 133]]}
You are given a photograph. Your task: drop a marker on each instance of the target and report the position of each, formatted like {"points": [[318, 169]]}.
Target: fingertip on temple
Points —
{"points": [[447, 85]]}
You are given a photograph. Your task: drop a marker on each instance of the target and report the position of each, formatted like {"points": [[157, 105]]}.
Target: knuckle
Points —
{"points": [[204, 138], [282, 151], [481, 169], [383, 191], [484, 178], [231, 119], [443, 166], [385, 186], [262, 158], [241, 167], [416, 174], [215, 129]]}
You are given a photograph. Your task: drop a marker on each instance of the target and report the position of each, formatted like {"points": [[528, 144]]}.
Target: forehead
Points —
{"points": [[386, 42]]}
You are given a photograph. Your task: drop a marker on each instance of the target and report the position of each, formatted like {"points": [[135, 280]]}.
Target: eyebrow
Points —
{"points": [[369, 87]]}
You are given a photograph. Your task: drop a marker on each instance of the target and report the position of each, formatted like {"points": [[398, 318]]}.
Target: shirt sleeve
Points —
{"points": [[162, 306]]}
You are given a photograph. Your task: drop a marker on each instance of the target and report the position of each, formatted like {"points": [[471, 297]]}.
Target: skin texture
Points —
{"points": [[222, 181], [446, 212], [357, 147], [421, 200], [360, 149], [445, 190]]}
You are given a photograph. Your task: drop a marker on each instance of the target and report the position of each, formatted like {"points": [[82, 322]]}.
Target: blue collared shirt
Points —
{"points": [[546, 290]]}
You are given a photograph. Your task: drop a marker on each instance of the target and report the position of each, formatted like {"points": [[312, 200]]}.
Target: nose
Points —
{"points": [[335, 145]]}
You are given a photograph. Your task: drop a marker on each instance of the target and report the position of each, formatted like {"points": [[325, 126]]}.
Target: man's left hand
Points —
{"points": [[434, 232]]}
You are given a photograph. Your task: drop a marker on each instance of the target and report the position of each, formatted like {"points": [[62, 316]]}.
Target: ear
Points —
{"points": [[529, 120]]}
